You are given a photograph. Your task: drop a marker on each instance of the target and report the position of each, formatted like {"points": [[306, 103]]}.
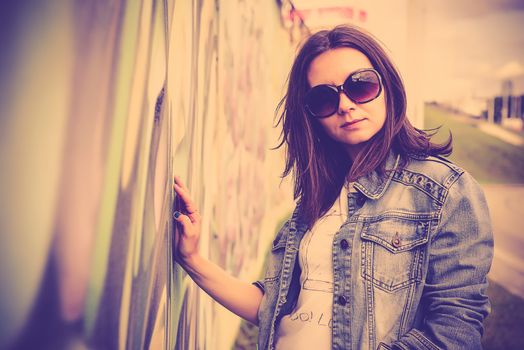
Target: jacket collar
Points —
{"points": [[374, 185]]}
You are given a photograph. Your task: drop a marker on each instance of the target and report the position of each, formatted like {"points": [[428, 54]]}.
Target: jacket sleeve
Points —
{"points": [[260, 285], [460, 254], [280, 239]]}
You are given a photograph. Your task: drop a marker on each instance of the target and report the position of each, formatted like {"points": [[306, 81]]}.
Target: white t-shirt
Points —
{"points": [[309, 324]]}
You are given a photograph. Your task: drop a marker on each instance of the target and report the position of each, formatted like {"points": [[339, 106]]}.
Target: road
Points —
{"points": [[506, 204]]}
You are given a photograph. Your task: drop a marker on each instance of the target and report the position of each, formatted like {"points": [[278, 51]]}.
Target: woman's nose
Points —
{"points": [[345, 104]]}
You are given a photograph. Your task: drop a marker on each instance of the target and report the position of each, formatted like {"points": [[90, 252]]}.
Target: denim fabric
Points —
{"points": [[412, 271]]}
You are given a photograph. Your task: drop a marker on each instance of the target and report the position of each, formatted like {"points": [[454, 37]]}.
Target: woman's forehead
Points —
{"points": [[333, 66]]}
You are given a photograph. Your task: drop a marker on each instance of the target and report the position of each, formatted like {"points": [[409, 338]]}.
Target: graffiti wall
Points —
{"points": [[101, 103]]}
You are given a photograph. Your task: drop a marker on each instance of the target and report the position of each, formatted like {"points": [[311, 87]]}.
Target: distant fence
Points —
{"points": [[501, 108]]}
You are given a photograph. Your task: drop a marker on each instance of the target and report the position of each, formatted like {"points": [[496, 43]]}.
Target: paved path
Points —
{"points": [[506, 204], [501, 133]]}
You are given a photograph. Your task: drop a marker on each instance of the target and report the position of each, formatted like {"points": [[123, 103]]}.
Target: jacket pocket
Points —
{"points": [[393, 250]]}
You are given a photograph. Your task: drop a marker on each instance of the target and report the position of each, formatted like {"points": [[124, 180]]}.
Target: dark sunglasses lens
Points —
{"points": [[322, 101], [363, 86]]}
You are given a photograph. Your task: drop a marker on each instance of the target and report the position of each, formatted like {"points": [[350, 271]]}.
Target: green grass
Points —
{"points": [[487, 158]]}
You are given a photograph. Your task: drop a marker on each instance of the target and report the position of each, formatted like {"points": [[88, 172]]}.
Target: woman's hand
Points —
{"points": [[187, 233]]}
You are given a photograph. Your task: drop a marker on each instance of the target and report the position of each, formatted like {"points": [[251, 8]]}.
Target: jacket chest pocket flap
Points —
{"points": [[393, 251]]}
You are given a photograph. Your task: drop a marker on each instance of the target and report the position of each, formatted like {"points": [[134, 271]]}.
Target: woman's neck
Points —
{"points": [[353, 150]]}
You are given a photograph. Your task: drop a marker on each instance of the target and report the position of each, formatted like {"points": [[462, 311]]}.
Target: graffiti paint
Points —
{"points": [[131, 94]]}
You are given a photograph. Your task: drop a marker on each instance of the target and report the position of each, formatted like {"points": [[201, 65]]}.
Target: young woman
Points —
{"points": [[389, 245]]}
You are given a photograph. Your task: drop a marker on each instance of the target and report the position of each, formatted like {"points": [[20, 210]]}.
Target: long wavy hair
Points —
{"points": [[318, 164]]}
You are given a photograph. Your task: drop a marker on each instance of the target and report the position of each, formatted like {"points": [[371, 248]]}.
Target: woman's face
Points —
{"points": [[352, 124]]}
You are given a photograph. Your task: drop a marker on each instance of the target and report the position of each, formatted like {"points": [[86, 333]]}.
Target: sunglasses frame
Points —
{"points": [[340, 88]]}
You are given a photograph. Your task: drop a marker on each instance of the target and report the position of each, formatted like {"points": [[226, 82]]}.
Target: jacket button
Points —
{"points": [[344, 244], [342, 300], [395, 242]]}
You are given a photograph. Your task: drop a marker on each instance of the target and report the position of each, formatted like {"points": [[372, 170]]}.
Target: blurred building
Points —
{"points": [[507, 109]]}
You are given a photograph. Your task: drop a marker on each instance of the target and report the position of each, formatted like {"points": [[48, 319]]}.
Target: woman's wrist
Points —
{"points": [[190, 263]]}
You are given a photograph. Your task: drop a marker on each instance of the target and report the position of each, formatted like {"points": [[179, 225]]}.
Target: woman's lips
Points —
{"points": [[351, 124]]}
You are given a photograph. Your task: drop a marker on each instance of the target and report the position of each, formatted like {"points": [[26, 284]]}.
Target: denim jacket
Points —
{"points": [[409, 264]]}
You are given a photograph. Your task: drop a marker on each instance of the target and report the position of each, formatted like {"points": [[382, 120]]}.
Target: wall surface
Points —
{"points": [[102, 102]]}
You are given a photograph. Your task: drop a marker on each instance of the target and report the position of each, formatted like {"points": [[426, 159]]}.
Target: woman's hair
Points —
{"points": [[319, 164]]}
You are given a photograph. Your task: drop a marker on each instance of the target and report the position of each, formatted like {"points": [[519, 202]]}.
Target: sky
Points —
{"points": [[472, 46]]}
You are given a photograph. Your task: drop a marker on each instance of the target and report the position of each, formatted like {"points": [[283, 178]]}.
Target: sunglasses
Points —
{"points": [[361, 86]]}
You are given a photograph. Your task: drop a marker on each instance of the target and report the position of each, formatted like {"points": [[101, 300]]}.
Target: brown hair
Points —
{"points": [[319, 165]]}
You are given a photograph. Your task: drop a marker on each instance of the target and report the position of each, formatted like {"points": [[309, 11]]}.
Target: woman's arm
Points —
{"points": [[454, 299], [239, 297]]}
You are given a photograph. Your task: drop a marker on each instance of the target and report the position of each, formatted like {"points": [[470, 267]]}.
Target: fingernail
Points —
{"points": [[176, 214]]}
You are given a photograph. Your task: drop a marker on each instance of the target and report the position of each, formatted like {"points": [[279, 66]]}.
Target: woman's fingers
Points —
{"points": [[185, 222], [183, 192], [187, 237], [179, 182]]}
